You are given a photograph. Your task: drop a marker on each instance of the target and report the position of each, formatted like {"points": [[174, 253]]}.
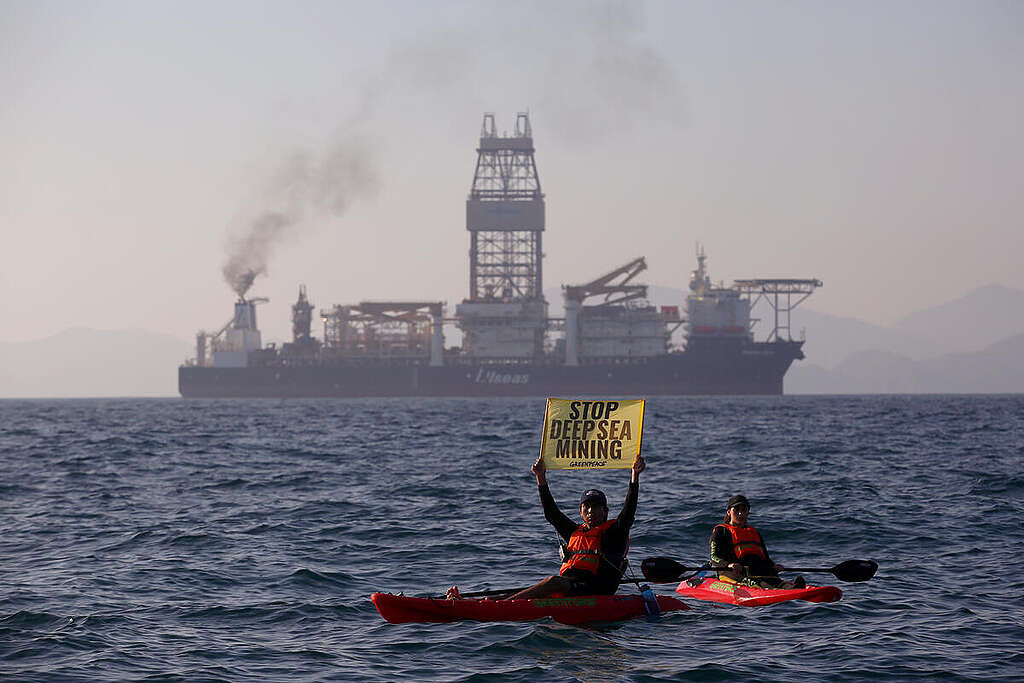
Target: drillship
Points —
{"points": [[610, 340]]}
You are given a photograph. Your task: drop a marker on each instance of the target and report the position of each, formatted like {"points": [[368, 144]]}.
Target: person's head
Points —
{"points": [[593, 507], [736, 510]]}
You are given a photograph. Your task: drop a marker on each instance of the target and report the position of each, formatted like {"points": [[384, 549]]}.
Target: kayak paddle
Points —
{"points": [[851, 570], [510, 591], [664, 569], [667, 570]]}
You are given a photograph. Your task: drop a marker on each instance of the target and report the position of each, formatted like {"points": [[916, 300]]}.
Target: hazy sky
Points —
{"points": [[877, 146]]}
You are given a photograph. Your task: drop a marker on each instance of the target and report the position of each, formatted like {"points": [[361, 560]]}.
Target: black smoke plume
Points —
{"points": [[305, 185]]}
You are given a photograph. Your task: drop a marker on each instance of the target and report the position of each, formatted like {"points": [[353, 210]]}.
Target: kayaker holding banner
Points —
{"points": [[588, 434], [740, 554], [596, 548]]}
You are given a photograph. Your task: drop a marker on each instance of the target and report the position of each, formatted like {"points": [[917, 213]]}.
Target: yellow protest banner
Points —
{"points": [[591, 434]]}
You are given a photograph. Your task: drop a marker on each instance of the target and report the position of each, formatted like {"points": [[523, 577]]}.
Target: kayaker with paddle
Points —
{"points": [[597, 547], [739, 553]]}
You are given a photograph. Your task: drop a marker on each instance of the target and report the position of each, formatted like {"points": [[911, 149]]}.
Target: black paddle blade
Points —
{"points": [[662, 569], [855, 570]]}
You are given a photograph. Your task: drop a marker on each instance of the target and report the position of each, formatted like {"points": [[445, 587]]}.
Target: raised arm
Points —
{"points": [[639, 465], [628, 513], [540, 471]]}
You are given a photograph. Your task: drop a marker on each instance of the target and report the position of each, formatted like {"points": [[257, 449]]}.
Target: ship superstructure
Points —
{"points": [[230, 346], [611, 340], [617, 324]]}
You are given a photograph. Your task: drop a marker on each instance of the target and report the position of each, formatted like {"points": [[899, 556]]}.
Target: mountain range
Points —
{"points": [[82, 362], [973, 344]]}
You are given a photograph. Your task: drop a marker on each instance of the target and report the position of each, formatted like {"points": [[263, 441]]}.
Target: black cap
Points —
{"points": [[593, 495], [738, 499]]}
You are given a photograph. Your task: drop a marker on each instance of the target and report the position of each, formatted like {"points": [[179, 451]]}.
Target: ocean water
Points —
{"points": [[172, 540]]}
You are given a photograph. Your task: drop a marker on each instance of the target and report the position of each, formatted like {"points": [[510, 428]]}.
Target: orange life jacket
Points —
{"points": [[585, 548], [746, 542]]}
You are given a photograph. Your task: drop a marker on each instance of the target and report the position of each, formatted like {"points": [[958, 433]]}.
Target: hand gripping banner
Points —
{"points": [[591, 434]]}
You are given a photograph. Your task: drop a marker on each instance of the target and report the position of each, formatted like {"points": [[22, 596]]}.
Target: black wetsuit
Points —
{"points": [[614, 544], [722, 554]]}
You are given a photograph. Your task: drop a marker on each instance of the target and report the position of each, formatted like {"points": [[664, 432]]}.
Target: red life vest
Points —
{"points": [[585, 548], [746, 542]]}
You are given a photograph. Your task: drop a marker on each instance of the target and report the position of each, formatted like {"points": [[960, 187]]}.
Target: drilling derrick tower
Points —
{"points": [[505, 317]]}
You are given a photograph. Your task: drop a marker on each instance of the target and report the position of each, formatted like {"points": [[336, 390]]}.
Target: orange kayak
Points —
{"points": [[727, 591]]}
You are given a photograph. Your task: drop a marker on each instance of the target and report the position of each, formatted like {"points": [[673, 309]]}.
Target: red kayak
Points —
{"points": [[400, 609], [726, 590]]}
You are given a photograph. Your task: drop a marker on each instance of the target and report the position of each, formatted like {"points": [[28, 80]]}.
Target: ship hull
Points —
{"points": [[750, 369]]}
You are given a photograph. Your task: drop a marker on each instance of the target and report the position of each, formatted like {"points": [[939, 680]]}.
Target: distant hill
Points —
{"points": [[994, 370], [83, 362], [832, 339], [971, 322]]}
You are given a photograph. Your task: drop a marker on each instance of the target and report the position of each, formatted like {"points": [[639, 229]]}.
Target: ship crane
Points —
{"points": [[607, 286]]}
